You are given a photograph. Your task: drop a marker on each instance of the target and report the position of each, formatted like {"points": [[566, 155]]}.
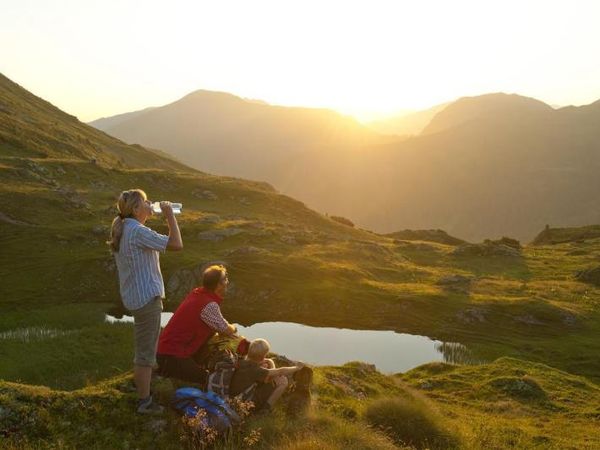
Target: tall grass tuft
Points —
{"points": [[409, 421]]}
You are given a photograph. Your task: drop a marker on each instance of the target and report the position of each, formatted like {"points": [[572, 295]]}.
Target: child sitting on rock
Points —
{"points": [[256, 368]]}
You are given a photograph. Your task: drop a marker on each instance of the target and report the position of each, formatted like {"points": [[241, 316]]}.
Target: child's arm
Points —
{"points": [[267, 363], [285, 371]]}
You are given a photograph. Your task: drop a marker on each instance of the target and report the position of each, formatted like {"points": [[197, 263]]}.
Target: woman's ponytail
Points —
{"points": [[116, 231], [128, 201]]}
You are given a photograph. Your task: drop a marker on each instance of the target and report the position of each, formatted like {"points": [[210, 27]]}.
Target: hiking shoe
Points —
{"points": [[148, 406]]}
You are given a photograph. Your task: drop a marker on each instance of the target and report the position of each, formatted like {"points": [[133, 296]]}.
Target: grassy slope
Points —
{"points": [[30, 127], [505, 404], [287, 263]]}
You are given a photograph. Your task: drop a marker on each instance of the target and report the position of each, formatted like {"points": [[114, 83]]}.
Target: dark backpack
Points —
{"points": [[219, 379], [218, 414]]}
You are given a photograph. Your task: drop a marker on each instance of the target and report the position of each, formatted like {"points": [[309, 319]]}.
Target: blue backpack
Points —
{"points": [[219, 415]]}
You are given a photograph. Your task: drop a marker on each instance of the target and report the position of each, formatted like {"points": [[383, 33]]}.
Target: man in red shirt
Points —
{"points": [[196, 320]]}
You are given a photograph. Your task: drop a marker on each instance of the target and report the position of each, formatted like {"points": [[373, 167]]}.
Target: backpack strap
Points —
{"points": [[247, 393], [188, 392]]}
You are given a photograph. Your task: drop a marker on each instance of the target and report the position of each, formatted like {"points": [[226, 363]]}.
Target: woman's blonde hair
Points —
{"points": [[128, 201]]}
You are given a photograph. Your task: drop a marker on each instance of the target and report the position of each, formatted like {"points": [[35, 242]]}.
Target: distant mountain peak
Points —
{"points": [[501, 98], [497, 105], [210, 95]]}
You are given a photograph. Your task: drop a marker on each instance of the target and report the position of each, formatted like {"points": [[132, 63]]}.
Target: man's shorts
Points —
{"points": [[146, 329], [185, 369]]}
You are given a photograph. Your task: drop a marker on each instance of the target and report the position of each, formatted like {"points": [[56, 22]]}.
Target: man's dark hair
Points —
{"points": [[213, 276]]}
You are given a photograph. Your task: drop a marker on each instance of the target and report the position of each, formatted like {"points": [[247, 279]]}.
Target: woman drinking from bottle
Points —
{"points": [[136, 250]]}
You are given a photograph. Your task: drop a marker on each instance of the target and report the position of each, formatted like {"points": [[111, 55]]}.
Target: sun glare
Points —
{"points": [[367, 59]]}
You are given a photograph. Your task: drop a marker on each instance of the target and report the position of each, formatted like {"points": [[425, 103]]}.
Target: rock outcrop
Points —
{"points": [[487, 249], [591, 275]]}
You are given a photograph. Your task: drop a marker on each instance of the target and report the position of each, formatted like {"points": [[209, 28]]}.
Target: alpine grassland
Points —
{"points": [[527, 313]]}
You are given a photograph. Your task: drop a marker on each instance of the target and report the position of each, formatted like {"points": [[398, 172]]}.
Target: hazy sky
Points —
{"points": [[99, 58]]}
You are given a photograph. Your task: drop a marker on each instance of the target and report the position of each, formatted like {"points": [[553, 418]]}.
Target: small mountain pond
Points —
{"points": [[389, 351]]}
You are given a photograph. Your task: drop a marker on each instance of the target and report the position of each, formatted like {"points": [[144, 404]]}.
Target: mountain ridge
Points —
{"points": [[494, 165], [481, 106]]}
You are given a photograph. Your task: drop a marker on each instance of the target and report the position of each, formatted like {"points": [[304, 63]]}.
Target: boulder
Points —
{"points": [[109, 265], [219, 235], [414, 246], [519, 388], [72, 197], [363, 368], [426, 385], [528, 319], [7, 219], [551, 236], [288, 239], [210, 236], [486, 249], [209, 218], [372, 247], [244, 251], [236, 217], [472, 315], [257, 224], [265, 294], [100, 230], [181, 283], [209, 195], [100, 185], [591, 275], [204, 194], [569, 319], [509, 242], [439, 236], [455, 282]]}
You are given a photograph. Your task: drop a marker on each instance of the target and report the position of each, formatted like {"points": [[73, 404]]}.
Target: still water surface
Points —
{"points": [[389, 351]]}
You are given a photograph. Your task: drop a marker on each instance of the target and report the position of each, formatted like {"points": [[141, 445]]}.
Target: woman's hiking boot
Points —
{"points": [[149, 406]]}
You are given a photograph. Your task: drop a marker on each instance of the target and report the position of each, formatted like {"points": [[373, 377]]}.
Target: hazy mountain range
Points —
{"points": [[238, 137], [482, 166], [408, 123]]}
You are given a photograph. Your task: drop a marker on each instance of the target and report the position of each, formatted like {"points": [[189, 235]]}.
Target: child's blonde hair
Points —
{"points": [[258, 349]]}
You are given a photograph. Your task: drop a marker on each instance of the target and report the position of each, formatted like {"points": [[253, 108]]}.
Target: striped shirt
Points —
{"points": [[137, 261]]}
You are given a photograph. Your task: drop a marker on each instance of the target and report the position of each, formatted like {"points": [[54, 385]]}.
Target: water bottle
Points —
{"points": [[176, 208]]}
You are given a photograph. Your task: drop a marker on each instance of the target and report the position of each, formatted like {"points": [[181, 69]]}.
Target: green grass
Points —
{"points": [[513, 404], [81, 348], [433, 406], [60, 180], [409, 421]]}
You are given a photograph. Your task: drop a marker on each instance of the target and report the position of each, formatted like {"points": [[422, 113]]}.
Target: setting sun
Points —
{"points": [[368, 59]]}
